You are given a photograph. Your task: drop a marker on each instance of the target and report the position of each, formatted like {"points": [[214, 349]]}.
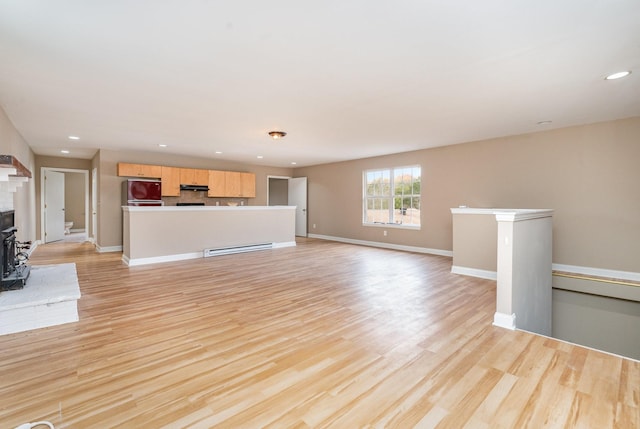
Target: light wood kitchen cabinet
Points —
{"points": [[139, 170], [170, 181], [216, 184], [192, 176], [241, 185], [248, 185], [232, 184]]}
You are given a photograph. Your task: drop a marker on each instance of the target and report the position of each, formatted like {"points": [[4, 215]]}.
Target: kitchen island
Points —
{"points": [[171, 233]]}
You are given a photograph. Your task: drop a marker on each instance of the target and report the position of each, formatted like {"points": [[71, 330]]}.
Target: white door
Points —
{"points": [[94, 204], [298, 198], [53, 206]]}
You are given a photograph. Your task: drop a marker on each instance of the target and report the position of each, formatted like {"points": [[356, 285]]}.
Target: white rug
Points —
{"points": [[48, 298]]}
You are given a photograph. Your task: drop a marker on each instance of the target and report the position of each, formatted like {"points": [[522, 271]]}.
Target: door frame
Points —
{"points": [[43, 171], [274, 177], [307, 208]]}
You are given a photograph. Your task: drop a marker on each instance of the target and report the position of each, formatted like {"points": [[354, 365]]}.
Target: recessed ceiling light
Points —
{"points": [[618, 75], [64, 151], [218, 152], [293, 163], [260, 156], [74, 138], [162, 145]]}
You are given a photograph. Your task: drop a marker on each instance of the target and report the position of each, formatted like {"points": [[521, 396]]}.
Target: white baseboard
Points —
{"points": [[392, 246], [158, 259], [597, 272], [284, 244], [108, 249], [474, 272], [507, 321]]}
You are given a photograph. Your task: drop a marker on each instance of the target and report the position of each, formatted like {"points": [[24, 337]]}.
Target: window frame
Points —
{"points": [[390, 198]]}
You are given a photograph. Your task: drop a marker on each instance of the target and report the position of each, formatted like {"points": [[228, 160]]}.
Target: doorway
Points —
{"points": [[72, 205], [290, 191]]}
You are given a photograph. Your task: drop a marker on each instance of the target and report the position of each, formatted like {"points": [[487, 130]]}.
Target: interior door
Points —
{"points": [[53, 206], [298, 198]]}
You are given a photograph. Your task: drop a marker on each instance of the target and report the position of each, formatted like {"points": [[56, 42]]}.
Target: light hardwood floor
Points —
{"points": [[320, 335]]}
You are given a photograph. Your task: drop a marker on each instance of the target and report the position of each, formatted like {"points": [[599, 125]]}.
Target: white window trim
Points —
{"points": [[364, 198]]}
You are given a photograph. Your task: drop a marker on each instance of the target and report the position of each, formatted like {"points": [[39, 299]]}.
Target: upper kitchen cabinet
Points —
{"points": [[232, 184], [192, 176], [241, 185], [170, 181], [248, 185], [139, 170], [216, 184]]}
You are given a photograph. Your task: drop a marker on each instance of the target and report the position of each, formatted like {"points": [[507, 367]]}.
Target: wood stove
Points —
{"points": [[13, 275]]}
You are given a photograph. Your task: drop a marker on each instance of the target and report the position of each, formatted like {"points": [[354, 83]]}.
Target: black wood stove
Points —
{"points": [[13, 275]]}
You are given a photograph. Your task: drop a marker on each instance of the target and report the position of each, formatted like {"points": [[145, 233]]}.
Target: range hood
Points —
{"points": [[194, 188]]}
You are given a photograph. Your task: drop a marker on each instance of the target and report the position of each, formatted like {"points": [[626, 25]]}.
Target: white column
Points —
{"points": [[524, 270]]}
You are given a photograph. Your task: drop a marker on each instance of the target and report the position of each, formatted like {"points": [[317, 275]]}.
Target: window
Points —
{"points": [[392, 196]]}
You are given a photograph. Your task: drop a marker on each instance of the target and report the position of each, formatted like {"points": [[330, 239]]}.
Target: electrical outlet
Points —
{"points": [[384, 232]]}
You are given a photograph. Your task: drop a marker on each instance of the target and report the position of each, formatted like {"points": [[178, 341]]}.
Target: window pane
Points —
{"points": [[377, 210], [378, 183]]}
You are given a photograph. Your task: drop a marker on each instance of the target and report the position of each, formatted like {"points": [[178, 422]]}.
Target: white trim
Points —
{"points": [[392, 225], [158, 259], [201, 208], [268, 183], [392, 246], [284, 244], [597, 272], [507, 321], [474, 272], [108, 249], [522, 214]]}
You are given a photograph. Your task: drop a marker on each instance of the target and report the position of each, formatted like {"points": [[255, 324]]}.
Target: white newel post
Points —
{"points": [[524, 270]]}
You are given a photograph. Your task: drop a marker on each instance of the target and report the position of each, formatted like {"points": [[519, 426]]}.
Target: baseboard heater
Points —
{"points": [[236, 249]]}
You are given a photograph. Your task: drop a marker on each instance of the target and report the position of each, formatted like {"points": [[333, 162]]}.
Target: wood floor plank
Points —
{"points": [[321, 335]]}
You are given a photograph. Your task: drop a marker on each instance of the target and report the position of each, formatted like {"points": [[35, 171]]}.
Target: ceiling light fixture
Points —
{"points": [[162, 145], [74, 138], [64, 151], [618, 75], [260, 157], [277, 134]]}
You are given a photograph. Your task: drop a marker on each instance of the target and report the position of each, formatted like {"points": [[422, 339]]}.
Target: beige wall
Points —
{"points": [[109, 186], [475, 241], [12, 143], [588, 174]]}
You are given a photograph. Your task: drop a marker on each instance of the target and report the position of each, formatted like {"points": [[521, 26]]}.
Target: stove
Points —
{"points": [[13, 275]]}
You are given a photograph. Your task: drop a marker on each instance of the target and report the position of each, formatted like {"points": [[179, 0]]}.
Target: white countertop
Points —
{"points": [[201, 208]]}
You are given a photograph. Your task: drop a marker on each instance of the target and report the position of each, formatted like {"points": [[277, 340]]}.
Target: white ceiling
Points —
{"points": [[345, 79]]}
